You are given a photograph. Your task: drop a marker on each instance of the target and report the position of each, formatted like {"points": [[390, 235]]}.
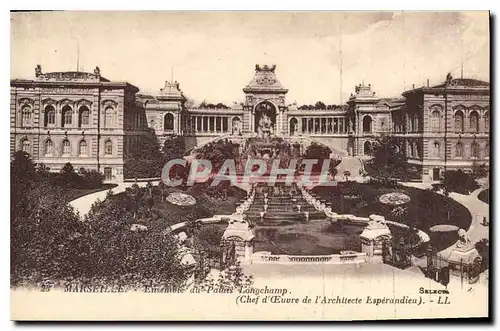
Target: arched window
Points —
{"points": [[367, 148], [26, 119], [82, 149], [109, 117], [487, 150], [435, 120], [459, 121], [459, 150], [474, 121], [412, 149], [50, 116], [49, 147], [487, 121], [168, 122], [108, 147], [475, 149], [294, 126], [26, 146], [83, 117], [236, 125], [67, 116], [66, 148], [435, 149], [367, 124]]}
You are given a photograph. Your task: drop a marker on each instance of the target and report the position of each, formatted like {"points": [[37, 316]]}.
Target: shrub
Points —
{"points": [[90, 179], [483, 248], [484, 196], [207, 238], [459, 181]]}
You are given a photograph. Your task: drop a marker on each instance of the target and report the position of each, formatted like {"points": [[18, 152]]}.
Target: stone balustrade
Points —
{"points": [[245, 205], [343, 258]]}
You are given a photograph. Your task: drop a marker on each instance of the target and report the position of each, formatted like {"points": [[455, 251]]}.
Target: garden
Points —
{"points": [[424, 209], [123, 240]]}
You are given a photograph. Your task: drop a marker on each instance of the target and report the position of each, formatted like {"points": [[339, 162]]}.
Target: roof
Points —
{"points": [[464, 82], [391, 102], [455, 84], [71, 76]]}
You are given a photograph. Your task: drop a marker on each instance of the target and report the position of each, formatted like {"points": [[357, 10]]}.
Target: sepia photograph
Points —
{"points": [[249, 165]]}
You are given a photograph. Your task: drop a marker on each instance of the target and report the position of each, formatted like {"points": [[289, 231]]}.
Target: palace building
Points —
{"points": [[95, 123], [76, 117]]}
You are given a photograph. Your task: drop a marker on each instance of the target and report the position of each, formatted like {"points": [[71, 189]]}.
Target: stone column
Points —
{"points": [[176, 123], [279, 128], [58, 116], [75, 117]]}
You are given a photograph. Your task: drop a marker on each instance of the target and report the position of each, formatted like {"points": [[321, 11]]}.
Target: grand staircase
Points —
{"points": [[282, 206]]}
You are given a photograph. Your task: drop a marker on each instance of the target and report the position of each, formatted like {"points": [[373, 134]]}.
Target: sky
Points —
{"points": [[319, 55]]}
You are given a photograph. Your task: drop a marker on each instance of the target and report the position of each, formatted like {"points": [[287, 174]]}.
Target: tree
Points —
{"points": [[321, 153], [174, 148], [388, 160], [320, 105], [46, 241], [207, 239], [459, 181], [22, 177], [150, 160], [49, 242], [22, 169], [479, 170], [90, 179], [217, 153], [136, 258], [69, 178]]}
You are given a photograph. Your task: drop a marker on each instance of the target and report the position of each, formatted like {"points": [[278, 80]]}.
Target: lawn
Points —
{"points": [[205, 206], [75, 193], [425, 208], [484, 196]]}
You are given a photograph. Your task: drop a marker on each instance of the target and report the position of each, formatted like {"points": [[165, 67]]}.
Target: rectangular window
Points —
{"points": [[68, 118]]}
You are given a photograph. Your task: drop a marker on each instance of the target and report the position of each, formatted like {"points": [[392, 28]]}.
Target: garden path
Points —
{"points": [[476, 207], [83, 204]]}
